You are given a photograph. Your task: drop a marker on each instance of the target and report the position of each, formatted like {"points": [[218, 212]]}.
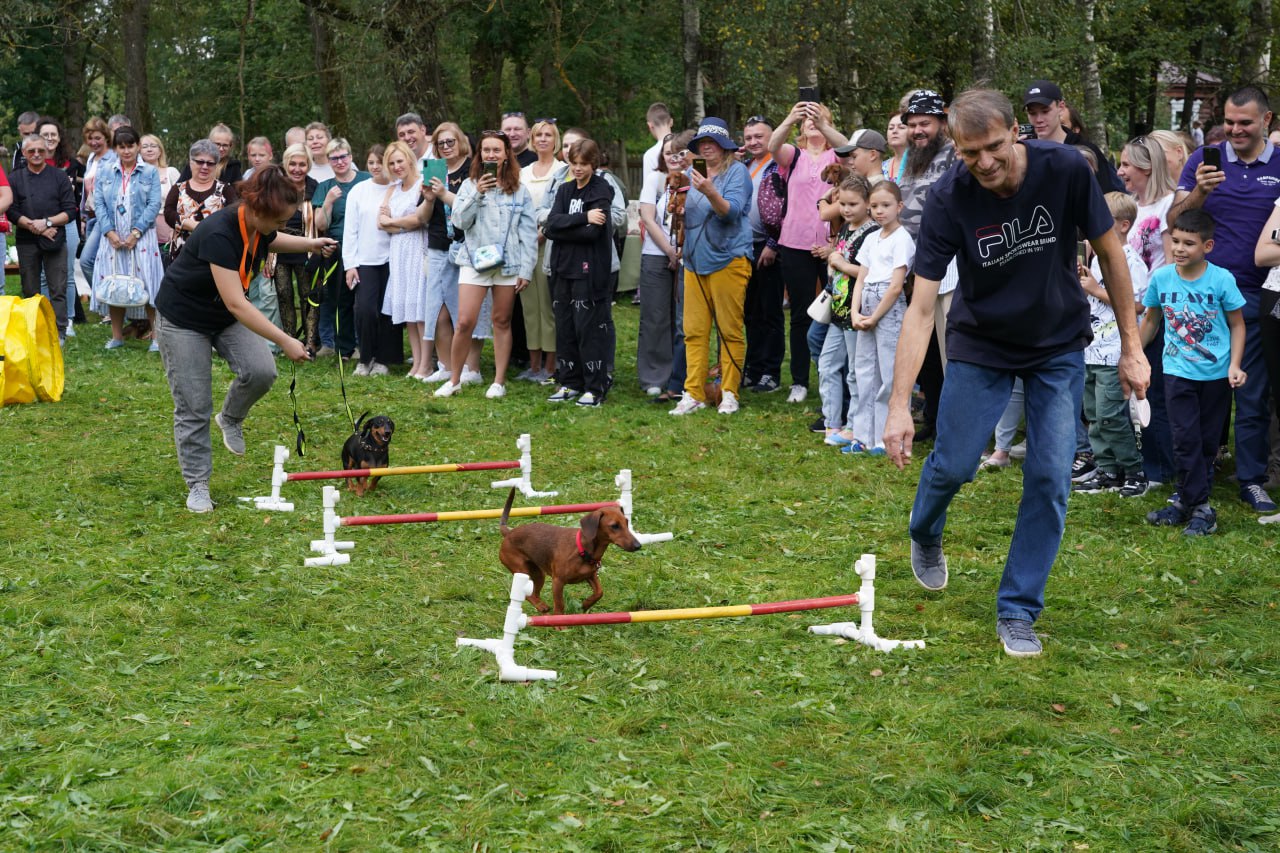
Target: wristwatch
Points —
{"points": [[48, 223]]}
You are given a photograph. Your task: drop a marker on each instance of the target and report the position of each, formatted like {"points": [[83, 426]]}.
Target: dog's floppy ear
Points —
{"points": [[591, 524]]}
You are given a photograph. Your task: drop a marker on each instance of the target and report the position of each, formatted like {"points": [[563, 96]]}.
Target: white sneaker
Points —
{"points": [[687, 405], [470, 377], [495, 391], [198, 499], [653, 391], [439, 376], [362, 369], [798, 393], [448, 389], [378, 369], [1018, 451], [728, 403], [71, 329]]}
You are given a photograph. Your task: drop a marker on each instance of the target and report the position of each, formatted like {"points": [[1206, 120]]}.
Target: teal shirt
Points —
{"points": [[340, 205]]}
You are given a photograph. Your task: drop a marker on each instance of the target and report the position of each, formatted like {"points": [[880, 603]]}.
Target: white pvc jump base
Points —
{"points": [[331, 549], [274, 502], [503, 649]]}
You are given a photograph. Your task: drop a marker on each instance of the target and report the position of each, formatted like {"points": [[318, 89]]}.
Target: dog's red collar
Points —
{"points": [[582, 552]]}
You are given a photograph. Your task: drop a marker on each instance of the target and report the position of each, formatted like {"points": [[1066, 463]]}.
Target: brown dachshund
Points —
{"points": [[569, 555]]}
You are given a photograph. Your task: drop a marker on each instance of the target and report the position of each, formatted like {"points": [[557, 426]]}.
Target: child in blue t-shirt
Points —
{"points": [[1203, 346]]}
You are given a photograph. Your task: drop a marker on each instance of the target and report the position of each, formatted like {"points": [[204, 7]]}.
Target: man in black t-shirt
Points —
{"points": [[1047, 112], [1008, 213]]}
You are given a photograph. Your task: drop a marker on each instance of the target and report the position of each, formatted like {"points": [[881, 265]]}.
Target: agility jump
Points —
{"points": [[331, 549], [521, 586], [522, 482]]}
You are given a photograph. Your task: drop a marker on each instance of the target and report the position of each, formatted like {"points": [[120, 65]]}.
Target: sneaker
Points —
{"points": [[589, 401], [819, 426], [495, 391], [992, 462], [563, 394], [232, 433], [115, 343], [766, 385], [325, 352], [929, 565], [448, 389], [1018, 637], [440, 375], [1096, 483], [1203, 522], [652, 391], [1257, 498], [635, 298], [471, 377], [839, 437], [728, 403], [1019, 450], [71, 329], [687, 405], [378, 369], [1134, 485], [198, 499], [877, 451], [155, 346], [854, 446], [527, 375], [1082, 467], [362, 369], [798, 393], [1170, 516]]}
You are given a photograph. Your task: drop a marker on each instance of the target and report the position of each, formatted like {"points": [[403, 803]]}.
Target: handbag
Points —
{"points": [[491, 256], [820, 309], [122, 290]]}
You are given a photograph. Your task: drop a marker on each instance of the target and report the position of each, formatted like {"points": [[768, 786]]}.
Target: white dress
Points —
{"points": [[405, 300], [144, 261]]}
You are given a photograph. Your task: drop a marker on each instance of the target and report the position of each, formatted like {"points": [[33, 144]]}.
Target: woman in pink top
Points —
{"points": [[804, 244]]}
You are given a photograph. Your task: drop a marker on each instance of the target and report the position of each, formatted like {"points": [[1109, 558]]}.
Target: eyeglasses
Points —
{"points": [[204, 164], [674, 155], [338, 158], [446, 143]]}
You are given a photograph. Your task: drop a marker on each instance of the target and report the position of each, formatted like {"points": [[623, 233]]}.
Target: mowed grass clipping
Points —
{"points": [[181, 682]]}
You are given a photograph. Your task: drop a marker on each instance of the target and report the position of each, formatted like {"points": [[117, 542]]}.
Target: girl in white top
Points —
{"points": [[152, 152], [884, 259], [398, 215], [540, 177]]}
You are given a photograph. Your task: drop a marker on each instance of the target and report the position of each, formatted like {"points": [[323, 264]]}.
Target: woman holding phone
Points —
{"points": [[495, 215], [202, 308], [441, 299]]}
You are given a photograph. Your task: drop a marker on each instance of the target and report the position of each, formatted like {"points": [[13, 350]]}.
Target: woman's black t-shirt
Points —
{"points": [[437, 226], [188, 296]]}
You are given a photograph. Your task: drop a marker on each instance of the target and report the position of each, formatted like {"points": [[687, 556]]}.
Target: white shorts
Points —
{"points": [[488, 278]]}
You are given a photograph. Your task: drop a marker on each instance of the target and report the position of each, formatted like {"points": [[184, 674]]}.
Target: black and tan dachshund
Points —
{"points": [[367, 448]]}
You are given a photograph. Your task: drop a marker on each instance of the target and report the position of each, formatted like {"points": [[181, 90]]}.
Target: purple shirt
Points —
{"points": [[1240, 206]]}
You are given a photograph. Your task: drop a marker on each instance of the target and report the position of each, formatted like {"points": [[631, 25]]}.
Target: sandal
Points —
{"points": [[666, 397]]}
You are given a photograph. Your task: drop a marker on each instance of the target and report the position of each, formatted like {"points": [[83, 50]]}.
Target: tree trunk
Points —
{"points": [[486, 82], [1189, 90], [691, 36], [75, 108], [333, 103], [984, 53], [1255, 48], [135, 27], [1094, 110]]}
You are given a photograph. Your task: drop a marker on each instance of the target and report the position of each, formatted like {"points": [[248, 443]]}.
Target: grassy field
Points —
{"points": [[180, 682]]}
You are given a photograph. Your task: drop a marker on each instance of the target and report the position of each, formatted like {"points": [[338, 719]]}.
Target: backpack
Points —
{"points": [[771, 200]]}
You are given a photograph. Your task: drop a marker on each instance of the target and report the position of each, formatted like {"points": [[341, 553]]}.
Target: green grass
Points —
{"points": [[181, 682]]}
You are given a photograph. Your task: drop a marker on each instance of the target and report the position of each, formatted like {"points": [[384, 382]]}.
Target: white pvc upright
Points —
{"points": [[623, 482], [274, 502], [330, 548], [503, 650], [865, 632], [525, 481]]}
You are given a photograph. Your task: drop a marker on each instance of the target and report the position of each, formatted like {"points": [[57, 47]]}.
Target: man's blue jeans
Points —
{"points": [[973, 398], [1253, 401]]}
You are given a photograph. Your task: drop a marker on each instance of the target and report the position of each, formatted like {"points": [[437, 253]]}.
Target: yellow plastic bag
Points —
{"points": [[32, 358]]}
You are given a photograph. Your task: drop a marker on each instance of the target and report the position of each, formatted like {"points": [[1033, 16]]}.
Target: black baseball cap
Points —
{"points": [[1043, 92]]}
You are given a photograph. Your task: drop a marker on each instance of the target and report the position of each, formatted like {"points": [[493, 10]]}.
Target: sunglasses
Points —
{"points": [[550, 120], [516, 114], [759, 120], [204, 164], [492, 134]]}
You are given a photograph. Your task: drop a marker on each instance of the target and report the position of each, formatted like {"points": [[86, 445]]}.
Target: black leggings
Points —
{"points": [[805, 275]]}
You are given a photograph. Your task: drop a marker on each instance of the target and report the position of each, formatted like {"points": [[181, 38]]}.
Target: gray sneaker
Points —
{"points": [[232, 434], [198, 499], [1018, 637], [929, 565]]}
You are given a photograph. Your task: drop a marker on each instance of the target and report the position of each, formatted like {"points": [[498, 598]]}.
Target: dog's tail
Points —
{"points": [[506, 512], [355, 427]]}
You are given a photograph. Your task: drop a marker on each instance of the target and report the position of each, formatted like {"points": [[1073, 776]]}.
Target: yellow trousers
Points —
{"points": [[720, 294]]}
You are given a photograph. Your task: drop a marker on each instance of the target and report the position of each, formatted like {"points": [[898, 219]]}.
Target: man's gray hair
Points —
{"points": [[204, 146], [29, 117], [119, 120], [32, 137], [974, 111]]}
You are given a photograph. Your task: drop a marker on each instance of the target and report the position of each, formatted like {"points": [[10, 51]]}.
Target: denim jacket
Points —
{"points": [[486, 219], [144, 198]]}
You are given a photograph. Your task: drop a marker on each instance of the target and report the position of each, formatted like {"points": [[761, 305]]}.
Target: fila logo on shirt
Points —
{"points": [[1000, 243]]}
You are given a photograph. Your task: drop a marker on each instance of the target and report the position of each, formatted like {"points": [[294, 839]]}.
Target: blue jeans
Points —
{"points": [[1253, 401], [973, 398]]}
